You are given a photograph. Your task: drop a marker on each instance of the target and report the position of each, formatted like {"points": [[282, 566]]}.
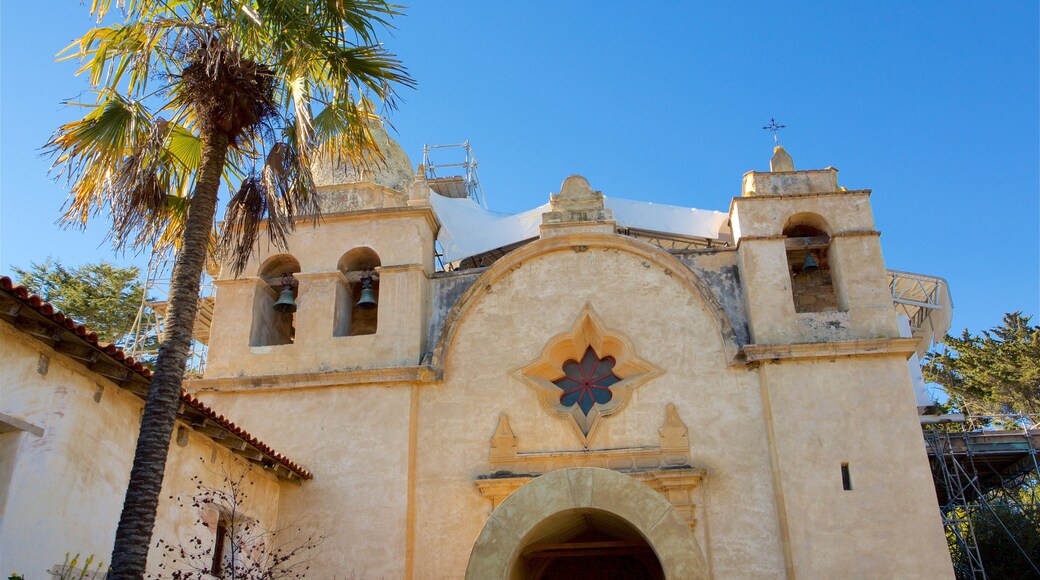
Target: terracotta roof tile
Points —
{"points": [[48, 310]]}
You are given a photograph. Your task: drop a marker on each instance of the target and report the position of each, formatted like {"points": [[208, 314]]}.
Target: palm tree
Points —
{"points": [[250, 91]]}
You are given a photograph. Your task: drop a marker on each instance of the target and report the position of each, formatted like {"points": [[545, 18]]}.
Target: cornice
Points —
{"points": [[393, 376], [904, 347], [776, 196], [424, 210]]}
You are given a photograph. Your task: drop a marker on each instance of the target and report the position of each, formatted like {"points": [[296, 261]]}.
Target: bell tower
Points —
{"points": [[810, 257], [837, 399], [349, 293]]}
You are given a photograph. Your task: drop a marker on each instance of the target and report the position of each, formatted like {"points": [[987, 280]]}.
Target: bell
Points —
{"points": [[810, 264], [286, 303], [367, 301]]}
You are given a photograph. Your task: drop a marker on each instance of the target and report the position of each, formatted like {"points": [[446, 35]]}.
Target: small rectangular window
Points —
{"points": [[846, 479], [217, 569]]}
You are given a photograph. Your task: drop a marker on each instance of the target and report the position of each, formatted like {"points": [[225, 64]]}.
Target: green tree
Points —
{"points": [[248, 88], [997, 372], [103, 296], [1007, 537]]}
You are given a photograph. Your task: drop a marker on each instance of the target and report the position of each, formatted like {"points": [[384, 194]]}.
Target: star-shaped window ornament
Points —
{"points": [[586, 373], [588, 382]]}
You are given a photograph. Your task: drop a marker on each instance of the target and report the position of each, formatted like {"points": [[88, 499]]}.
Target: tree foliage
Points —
{"points": [[103, 296], [249, 91], [996, 372], [282, 82], [1007, 537]]}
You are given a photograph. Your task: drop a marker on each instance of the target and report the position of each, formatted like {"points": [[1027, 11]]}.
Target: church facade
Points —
{"points": [[595, 389]]}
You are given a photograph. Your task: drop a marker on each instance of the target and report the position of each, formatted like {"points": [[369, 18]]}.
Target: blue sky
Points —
{"points": [[932, 105]]}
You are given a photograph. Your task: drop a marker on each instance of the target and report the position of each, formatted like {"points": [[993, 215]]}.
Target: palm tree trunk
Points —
{"points": [[134, 534]]}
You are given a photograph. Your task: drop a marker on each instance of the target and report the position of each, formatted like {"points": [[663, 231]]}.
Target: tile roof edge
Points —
{"points": [[46, 309]]}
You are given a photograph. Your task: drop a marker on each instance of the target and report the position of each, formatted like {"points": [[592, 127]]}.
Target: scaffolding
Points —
{"points": [[984, 473], [926, 301], [444, 178], [146, 334]]}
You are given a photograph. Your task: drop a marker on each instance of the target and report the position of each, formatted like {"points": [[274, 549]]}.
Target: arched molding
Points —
{"points": [[806, 220], [275, 266], [515, 523], [359, 258], [654, 255]]}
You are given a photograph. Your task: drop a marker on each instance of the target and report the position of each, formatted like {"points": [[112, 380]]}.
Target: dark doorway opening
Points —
{"points": [[588, 546]]}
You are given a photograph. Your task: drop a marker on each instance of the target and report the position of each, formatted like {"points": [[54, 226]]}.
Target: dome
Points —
{"points": [[393, 171]]}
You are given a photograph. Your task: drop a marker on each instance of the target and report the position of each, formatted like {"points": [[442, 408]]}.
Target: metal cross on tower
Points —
{"points": [[775, 128]]}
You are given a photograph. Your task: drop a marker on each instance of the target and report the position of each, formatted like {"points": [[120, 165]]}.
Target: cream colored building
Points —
{"points": [[595, 388]]}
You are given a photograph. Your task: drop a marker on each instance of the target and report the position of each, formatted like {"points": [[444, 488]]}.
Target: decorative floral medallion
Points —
{"points": [[588, 382], [586, 373]]}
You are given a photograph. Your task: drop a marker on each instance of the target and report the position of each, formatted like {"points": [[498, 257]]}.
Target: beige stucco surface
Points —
{"points": [[66, 488], [403, 240], [670, 326], [355, 439], [860, 412], [397, 459]]}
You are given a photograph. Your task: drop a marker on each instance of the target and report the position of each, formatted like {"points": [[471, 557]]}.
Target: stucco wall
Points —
{"points": [[355, 441], [859, 411], [66, 488], [852, 409], [395, 462], [670, 326], [403, 240], [718, 268]]}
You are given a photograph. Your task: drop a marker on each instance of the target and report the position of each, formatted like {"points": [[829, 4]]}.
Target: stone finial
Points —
{"points": [[673, 432], [419, 189], [503, 443], [781, 160], [576, 195], [578, 204]]}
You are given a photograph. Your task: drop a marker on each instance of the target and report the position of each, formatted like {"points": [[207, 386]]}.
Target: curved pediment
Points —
{"points": [[656, 262]]}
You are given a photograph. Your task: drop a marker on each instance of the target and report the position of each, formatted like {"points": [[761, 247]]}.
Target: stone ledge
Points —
{"points": [[401, 376], [845, 348]]}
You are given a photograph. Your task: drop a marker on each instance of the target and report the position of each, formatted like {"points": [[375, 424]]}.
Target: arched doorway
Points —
{"points": [[581, 523], [586, 545]]}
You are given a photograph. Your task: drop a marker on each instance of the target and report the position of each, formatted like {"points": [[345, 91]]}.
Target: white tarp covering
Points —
{"points": [[924, 399], [467, 229]]}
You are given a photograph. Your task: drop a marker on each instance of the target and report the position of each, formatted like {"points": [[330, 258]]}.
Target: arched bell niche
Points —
{"points": [[271, 325], [809, 263], [357, 310]]}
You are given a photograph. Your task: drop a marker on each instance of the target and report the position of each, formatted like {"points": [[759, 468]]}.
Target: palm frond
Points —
{"points": [[288, 81], [117, 158]]}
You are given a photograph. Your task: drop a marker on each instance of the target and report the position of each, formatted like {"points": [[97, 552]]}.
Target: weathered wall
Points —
{"points": [[718, 268], [858, 411], [66, 488], [817, 414], [670, 326], [396, 451], [856, 268], [445, 290], [403, 240], [355, 440]]}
